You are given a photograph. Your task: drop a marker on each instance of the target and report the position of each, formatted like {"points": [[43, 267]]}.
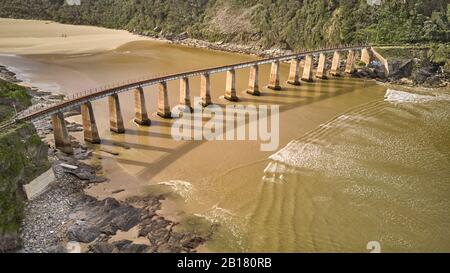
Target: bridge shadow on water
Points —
{"points": [[137, 132], [124, 144], [151, 169]]}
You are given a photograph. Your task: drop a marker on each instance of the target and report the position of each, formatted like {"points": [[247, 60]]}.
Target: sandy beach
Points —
{"points": [[25, 37]]}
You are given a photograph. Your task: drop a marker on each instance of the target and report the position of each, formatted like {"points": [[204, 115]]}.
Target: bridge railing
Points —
{"points": [[95, 93]]}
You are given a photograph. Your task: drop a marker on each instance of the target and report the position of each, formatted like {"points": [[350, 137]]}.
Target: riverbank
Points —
{"points": [[410, 65], [23, 156], [66, 219], [24, 37], [47, 37]]}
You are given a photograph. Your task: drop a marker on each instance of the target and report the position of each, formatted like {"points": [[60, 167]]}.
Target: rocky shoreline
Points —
{"points": [[7, 75], [65, 219], [183, 39], [424, 74], [411, 73]]}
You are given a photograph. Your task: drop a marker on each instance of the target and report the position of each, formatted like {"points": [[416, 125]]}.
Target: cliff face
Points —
{"points": [[290, 24], [23, 156]]}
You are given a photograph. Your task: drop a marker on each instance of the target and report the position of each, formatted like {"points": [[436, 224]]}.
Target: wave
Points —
{"points": [[407, 97], [182, 188], [226, 218]]}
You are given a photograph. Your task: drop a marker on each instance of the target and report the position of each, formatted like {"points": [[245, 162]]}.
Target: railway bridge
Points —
{"points": [[84, 99]]}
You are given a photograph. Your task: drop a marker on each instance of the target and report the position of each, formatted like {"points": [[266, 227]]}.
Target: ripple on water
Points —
{"points": [[377, 172]]}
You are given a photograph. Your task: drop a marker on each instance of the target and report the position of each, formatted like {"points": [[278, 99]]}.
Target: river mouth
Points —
{"points": [[356, 168]]}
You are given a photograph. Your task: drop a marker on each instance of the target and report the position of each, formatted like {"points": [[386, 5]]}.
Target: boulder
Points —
{"points": [[83, 233], [40, 184], [183, 36]]}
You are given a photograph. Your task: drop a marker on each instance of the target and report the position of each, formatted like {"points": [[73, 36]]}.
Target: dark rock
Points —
{"points": [[110, 203], [108, 230], [98, 179], [109, 151], [183, 36], [119, 144], [192, 241], [101, 248], [122, 243], [105, 217], [168, 248], [8, 242], [83, 175], [135, 248], [123, 246], [380, 74], [83, 233], [84, 171], [57, 97], [401, 69], [127, 218], [369, 72]]}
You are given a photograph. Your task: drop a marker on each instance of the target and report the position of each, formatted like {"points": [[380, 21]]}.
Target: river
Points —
{"points": [[356, 163]]}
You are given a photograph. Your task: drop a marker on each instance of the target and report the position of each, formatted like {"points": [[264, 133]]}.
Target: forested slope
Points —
{"points": [[290, 24]]}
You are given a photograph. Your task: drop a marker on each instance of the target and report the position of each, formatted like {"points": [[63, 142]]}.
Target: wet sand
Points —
{"points": [[46, 37]]}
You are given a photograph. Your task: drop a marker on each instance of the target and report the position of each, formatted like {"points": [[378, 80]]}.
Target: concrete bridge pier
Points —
{"points": [[205, 89], [90, 130], [140, 116], [274, 82], [115, 115], [185, 92], [308, 69], [321, 73], [62, 137], [336, 64], [349, 66], [230, 89], [366, 56], [163, 101], [253, 82], [294, 72]]}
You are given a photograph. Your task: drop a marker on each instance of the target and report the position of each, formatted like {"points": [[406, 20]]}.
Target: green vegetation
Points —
{"points": [[23, 156], [291, 24], [440, 54], [402, 52], [12, 95]]}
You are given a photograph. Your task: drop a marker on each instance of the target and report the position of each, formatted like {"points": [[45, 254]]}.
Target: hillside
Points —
{"points": [[288, 24], [23, 156], [12, 95]]}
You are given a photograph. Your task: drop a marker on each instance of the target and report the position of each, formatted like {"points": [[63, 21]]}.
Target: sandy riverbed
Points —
{"points": [[46, 37]]}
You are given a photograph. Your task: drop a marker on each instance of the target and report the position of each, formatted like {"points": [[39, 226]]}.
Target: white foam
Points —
{"points": [[407, 97], [183, 188], [296, 153], [217, 214]]}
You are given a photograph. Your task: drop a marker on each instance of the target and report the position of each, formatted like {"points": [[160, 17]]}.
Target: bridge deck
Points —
{"points": [[119, 88]]}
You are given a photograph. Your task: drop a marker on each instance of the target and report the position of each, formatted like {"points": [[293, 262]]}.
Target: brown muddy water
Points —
{"points": [[352, 166]]}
